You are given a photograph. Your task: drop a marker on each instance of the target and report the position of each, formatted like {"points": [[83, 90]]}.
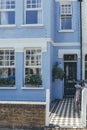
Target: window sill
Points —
{"points": [[8, 26], [8, 88], [66, 31], [32, 88], [32, 25]]}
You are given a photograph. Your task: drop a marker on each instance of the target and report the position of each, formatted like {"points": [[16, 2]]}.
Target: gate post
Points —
{"points": [[47, 107], [83, 107]]}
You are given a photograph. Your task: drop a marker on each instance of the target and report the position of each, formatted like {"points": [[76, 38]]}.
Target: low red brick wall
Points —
{"points": [[22, 114]]}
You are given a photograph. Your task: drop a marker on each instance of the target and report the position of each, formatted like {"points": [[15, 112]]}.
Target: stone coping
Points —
{"points": [[22, 102]]}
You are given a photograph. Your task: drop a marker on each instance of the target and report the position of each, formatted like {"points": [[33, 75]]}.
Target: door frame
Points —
{"points": [[69, 59]]}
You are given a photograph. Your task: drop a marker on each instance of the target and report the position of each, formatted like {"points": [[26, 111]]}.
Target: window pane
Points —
{"points": [[66, 23], [7, 77], [1, 52], [7, 72], [6, 63], [66, 9], [11, 62], [7, 17], [86, 74], [33, 3], [1, 63], [11, 17], [33, 67], [1, 57], [7, 4], [7, 57], [32, 71], [31, 17], [86, 58]]}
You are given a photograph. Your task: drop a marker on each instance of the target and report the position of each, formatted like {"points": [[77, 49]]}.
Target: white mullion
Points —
{"points": [[24, 64], [36, 3], [1, 10], [5, 3], [9, 58], [25, 9], [4, 58], [31, 66], [30, 57], [9, 3], [30, 9], [30, 3]]}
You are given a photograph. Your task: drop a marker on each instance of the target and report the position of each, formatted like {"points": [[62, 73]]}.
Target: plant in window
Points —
{"points": [[33, 80], [57, 72], [7, 81]]}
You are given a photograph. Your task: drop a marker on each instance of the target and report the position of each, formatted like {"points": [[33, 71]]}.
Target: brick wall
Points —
{"points": [[22, 114]]}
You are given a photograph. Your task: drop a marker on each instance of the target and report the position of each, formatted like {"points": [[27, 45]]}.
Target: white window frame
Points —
{"points": [[65, 14], [32, 9], [30, 66], [7, 66], [4, 9], [11, 66], [85, 65]]}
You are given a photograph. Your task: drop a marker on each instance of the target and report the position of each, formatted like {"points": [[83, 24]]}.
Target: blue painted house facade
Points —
{"points": [[34, 35]]}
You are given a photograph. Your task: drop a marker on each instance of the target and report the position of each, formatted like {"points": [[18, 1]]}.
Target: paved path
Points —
{"points": [[63, 114]]}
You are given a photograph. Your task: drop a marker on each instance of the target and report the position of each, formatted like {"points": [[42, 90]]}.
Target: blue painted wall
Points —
{"points": [[62, 37], [50, 29], [20, 94], [30, 32]]}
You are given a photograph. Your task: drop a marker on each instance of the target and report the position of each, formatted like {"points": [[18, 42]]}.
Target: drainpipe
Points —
{"points": [[81, 38]]}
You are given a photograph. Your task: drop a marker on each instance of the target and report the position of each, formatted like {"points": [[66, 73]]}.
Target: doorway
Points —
{"points": [[70, 69]]}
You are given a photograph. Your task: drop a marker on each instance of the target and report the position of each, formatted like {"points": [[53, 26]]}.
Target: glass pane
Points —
{"points": [[12, 62], [6, 52], [66, 23], [86, 58], [33, 51], [6, 63], [70, 57], [7, 76], [7, 17], [85, 66], [1, 63], [12, 4], [27, 51], [27, 57], [34, 1], [1, 57], [28, 63], [1, 52], [7, 4], [28, 2], [38, 3], [32, 71], [6, 57], [11, 17], [31, 17], [11, 57], [86, 74]]}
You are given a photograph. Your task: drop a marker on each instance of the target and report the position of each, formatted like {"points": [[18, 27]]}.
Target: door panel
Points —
{"points": [[70, 69]]}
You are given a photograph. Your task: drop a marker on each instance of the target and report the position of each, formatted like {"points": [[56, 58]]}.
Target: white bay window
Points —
{"points": [[33, 75], [7, 67]]}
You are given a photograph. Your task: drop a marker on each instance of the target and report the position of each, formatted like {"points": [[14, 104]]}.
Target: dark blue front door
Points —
{"points": [[70, 69]]}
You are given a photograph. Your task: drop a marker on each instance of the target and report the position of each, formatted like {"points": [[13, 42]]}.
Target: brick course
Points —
{"points": [[22, 114]]}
